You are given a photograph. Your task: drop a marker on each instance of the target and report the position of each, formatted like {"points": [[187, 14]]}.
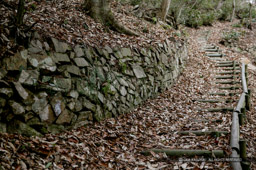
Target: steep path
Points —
{"points": [[118, 143]]}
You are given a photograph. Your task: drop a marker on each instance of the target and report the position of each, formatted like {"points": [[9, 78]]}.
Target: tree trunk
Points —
{"points": [[250, 16], [101, 12], [164, 9], [20, 12], [220, 4], [233, 11]]}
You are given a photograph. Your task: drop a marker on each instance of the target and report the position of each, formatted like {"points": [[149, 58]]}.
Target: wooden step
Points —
{"points": [[228, 82], [186, 152], [226, 77], [203, 133]]}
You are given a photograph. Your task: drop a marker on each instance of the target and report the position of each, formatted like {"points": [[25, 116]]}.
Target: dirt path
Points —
{"points": [[117, 143]]}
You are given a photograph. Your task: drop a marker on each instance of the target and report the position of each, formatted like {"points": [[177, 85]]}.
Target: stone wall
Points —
{"points": [[50, 86]]}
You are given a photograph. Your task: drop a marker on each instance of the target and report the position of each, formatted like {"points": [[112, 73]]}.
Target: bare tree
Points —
{"points": [[100, 11], [164, 9], [250, 16], [233, 11], [220, 3]]}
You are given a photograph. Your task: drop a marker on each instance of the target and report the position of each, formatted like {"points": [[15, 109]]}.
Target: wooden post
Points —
{"points": [[241, 119], [243, 111], [245, 165], [246, 74], [242, 146], [248, 100]]}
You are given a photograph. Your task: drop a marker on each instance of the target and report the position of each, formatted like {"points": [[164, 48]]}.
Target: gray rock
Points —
{"points": [[74, 94], [143, 51], [130, 98], [123, 99], [105, 54], [29, 77], [122, 82], [60, 46], [34, 50], [8, 92], [33, 62], [2, 102], [65, 117], [23, 93], [98, 114], [59, 57], [100, 73], [101, 97], [3, 127], [39, 105], [112, 89], [89, 54], [80, 124], [28, 116], [58, 104], [85, 115], [42, 94], [151, 79], [78, 106], [138, 71], [81, 62], [24, 54], [128, 72], [130, 91], [62, 83], [87, 104], [123, 91], [167, 77], [47, 115], [79, 51], [15, 63], [17, 108], [118, 54], [46, 46], [126, 52], [163, 58], [73, 70], [42, 62], [3, 73], [55, 129], [71, 105], [21, 128], [35, 121], [109, 105], [131, 86], [109, 50], [46, 79]]}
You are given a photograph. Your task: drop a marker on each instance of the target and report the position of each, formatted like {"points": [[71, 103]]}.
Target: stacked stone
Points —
{"points": [[47, 90]]}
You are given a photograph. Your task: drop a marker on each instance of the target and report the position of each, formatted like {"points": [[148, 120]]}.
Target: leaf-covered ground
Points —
{"points": [[68, 21]]}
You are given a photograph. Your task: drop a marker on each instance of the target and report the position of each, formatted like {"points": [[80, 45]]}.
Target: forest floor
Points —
{"points": [[117, 143]]}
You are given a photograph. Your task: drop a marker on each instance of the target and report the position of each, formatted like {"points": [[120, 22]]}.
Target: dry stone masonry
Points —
{"points": [[51, 87]]}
